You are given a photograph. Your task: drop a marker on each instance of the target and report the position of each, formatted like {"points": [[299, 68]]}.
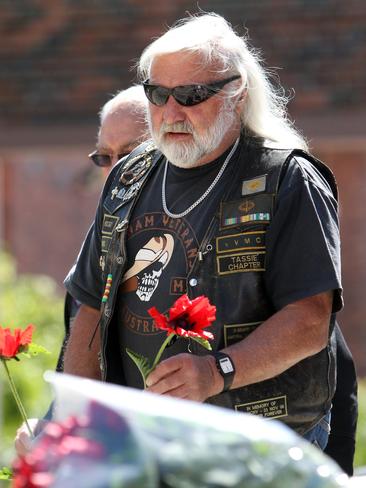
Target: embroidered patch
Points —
{"points": [[234, 333], [257, 208], [121, 193], [270, 408], [135, 168], [102, 262], [126, 194], [254, 185], [105, 243], [109, 224], [241, 263], [262, 217], [238, 242], [178, 285]]}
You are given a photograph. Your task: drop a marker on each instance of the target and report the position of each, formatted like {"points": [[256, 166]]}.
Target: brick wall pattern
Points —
{"points": [[59, 58]]}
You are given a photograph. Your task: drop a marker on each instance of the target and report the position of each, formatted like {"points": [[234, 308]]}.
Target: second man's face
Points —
{"points": [[121, 131]]}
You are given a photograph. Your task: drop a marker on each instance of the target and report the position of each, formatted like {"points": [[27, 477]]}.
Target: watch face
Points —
{"points": [[226, 365]]}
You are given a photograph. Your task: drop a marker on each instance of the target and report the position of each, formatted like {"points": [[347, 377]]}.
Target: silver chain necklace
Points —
{"points": [[203, 196]]}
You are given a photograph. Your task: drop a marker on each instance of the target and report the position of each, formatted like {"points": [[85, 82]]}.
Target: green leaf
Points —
{"points": [[141, 362], [34, 349], [204, 342], [6, 474]]}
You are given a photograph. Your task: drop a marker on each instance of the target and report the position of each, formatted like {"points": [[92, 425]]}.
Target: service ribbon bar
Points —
{"points": [[247, 218]]}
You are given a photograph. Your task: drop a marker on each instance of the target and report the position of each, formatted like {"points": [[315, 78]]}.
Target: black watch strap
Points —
{"points": [[225, 367]]}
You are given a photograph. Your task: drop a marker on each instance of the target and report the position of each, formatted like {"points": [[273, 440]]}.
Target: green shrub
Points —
{"points": [[27, 299], [360, 455]]}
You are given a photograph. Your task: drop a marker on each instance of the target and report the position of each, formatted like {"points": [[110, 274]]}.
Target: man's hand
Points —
{"points": [[186, 376], [23, 440]]}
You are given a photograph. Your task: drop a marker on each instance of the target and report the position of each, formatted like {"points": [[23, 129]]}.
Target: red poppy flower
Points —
{"points": [[187, 317], [13, 343]]}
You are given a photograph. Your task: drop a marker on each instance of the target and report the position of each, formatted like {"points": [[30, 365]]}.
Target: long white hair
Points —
{"points": [[264, 113]]}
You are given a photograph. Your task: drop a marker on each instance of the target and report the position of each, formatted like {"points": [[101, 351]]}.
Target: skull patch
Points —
{"points": [[150, 261]]}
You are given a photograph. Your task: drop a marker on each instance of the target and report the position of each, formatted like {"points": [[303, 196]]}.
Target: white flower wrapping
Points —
{"points": [[154, 441]]}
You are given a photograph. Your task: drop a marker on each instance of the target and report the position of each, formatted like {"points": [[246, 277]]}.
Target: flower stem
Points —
{"points": [[161, 350], [17, 398]]}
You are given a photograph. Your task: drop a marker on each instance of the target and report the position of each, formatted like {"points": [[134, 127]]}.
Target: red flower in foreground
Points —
{"points": [[187, 317], [13, 343]]}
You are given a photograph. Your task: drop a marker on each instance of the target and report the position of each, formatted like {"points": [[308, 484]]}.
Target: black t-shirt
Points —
{"points": [[302, 244], [303, 241], [161, 251]]}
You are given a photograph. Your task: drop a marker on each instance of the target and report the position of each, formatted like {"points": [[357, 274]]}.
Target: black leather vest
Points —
{"points": [[229, 269]]}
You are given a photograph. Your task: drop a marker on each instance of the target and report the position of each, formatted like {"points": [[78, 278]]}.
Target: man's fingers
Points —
{"points": [[23, 439], [23, 442], [163, 369], [167, 383], [180, 392]]}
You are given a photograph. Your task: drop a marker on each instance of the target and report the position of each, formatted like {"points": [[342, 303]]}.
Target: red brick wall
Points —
{"points": [[50, 203], [60, 59], [347, 158]]}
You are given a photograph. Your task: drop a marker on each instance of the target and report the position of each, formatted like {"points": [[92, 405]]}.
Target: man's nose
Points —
{"points": [[173, 111]]}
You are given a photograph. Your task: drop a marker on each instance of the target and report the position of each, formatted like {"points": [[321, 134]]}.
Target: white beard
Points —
{"points": [[186, 154]]}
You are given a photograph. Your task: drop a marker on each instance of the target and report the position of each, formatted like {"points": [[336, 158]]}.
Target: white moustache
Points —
{"points": [[181, 127]]}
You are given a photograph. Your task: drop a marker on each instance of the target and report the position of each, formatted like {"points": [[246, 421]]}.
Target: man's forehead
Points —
{"points": [[126, 117], [187, 67], [123, 110], [120, 131]]}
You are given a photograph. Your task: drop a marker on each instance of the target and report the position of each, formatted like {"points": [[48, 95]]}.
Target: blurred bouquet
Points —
{"points": [[109, 436], [99, 442]]}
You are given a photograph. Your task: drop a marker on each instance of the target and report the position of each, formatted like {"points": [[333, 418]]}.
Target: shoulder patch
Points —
{"points": [[254, 185]]}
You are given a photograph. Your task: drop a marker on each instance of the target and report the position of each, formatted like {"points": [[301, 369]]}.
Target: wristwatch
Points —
{"points": [[225, 367]]}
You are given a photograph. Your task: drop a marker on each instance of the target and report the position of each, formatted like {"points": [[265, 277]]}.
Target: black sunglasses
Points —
{"points": [[103, 160], [186, 95]]}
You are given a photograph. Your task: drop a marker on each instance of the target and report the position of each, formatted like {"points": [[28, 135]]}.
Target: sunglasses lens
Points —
{"points": [[101, 160], [192, 95], [158, 95]]}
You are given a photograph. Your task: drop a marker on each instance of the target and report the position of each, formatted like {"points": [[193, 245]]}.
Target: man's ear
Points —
{"points": [[240, 102]]}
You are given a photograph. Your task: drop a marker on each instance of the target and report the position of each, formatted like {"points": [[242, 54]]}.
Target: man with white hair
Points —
{"points": [[225, 202]]}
